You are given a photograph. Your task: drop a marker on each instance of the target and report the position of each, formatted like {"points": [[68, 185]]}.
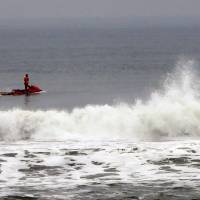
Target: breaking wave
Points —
{"points": [[172, 112]]}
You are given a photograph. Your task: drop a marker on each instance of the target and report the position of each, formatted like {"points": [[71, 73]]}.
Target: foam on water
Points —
{"points": [[173, 111], [38, 168]]}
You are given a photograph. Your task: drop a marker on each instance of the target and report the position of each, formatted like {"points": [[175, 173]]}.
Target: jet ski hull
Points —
{"points": [[16, 92]]}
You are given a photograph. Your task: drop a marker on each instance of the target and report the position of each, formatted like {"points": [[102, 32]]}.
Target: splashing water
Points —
{"points": [[172, 112]]}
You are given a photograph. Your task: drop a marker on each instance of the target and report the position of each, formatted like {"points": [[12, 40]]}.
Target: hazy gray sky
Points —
{"points": [[97, 8]]}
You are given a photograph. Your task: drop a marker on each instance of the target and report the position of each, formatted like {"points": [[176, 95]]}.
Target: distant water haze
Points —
{"points": [[23, 9]]}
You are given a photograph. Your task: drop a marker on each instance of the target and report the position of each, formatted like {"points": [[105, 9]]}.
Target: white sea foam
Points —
{"points": [[171, 112]]}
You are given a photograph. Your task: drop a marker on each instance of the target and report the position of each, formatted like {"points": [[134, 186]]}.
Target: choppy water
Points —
{"points": [[120, 118], [101, 170]]}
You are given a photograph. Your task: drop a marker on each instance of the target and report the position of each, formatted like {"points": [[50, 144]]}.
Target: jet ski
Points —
{"points": [[32, 89]]}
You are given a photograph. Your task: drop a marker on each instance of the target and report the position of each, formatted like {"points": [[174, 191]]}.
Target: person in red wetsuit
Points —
{"points": [[26, 83]]}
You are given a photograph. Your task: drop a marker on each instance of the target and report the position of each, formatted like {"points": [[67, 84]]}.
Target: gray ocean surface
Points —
{"points": [[90, 65], [120, 118]]}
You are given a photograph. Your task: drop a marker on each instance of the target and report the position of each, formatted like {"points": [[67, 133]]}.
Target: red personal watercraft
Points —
{"points": [[32, 89]]}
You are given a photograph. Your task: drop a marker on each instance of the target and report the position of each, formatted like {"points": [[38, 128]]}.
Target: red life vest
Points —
{"points": [[26, 80]]}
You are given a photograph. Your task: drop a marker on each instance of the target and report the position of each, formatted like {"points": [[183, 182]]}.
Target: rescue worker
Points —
{"points": [[26, 83]]}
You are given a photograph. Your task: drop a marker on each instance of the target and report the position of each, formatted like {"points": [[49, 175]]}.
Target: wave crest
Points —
{"points": [[173, 112]]}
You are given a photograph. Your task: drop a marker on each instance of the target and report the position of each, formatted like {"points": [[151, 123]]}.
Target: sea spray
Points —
{"points": [[172, 112]]}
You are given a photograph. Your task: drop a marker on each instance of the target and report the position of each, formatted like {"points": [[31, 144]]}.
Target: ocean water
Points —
{"points": [[119, 119]]}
